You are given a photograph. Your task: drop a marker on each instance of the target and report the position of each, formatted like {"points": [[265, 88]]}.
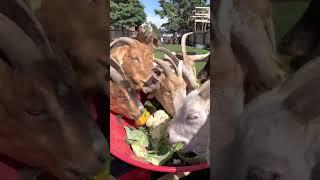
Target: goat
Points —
{"points": [[123, 97], [277, 134], [189, 70], [146, 35], [189, 64], [191, 124], [266, 142], [248, 26], [136, 57], [45, 123], [170, 87]]}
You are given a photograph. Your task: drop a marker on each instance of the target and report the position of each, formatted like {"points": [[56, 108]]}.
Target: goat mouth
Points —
{"points": [[134, 117]]}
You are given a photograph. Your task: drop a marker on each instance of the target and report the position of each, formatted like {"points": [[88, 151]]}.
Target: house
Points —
{"points": [[201, 19]]}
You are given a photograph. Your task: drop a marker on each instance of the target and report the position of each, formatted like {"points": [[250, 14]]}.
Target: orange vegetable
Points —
{"points": [[143, 119]]}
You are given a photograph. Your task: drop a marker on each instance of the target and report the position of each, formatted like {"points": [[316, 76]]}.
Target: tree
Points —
{"points": [[126, 13], [177, 12]]}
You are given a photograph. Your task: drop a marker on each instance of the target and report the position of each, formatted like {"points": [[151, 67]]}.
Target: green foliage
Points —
{"points": [[126, 13], [177, 12]]}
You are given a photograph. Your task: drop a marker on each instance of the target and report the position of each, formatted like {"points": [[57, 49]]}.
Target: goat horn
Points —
{"points": [[198, 57], [163, 64], [172, 58], [10, 34], [204, 90], [116, 72], [169, 53], [122, 39], [183, 45]]}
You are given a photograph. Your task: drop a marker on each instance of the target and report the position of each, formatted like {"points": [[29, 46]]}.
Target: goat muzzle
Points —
{"points": [[153, 82]]}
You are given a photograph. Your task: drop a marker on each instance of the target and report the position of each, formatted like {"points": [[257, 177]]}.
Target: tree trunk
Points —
{"points": [[122, 30]]}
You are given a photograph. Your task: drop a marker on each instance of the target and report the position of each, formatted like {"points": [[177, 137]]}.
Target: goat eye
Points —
{"points": [[192, 116], [123, 98], [168, 93], [136, 61], [36, 113]]}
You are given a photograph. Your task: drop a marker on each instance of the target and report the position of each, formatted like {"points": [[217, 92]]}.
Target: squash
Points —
{"points": [[142, 120]]}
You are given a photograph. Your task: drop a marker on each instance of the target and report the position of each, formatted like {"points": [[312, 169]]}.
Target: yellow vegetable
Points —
{"points": [[143, 119]]}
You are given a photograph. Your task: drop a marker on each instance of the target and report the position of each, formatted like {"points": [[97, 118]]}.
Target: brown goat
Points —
{"points": [[45, 123], [135, 59], [172, 88], [123, 97], [146, 35]]}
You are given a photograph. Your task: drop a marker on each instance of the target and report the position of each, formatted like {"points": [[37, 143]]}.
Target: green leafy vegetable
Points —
{"points": [[139, 150], [150, 142], [150, 107], [134, 135], [161, 159]]}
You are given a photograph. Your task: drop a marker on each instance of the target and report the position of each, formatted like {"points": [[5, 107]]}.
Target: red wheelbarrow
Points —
{"points": [[120, 149]]}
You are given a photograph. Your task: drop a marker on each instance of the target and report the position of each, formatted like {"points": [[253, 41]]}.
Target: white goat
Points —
{"points": [[191, 124]]}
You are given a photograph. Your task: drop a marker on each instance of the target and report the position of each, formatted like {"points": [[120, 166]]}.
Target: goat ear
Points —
{"points": [[204, 90], [155, 42], [305, 100]]}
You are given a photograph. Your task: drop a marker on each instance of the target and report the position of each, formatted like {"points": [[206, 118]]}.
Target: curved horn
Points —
{"points": [[166, 67], [198, 57], [183, 45], [27, 21], [22, 54], [116, 72], [122, 39], [173, 59]]}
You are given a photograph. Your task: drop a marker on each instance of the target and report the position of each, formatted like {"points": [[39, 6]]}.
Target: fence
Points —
{"points": [[118, 33], [202, 38]]}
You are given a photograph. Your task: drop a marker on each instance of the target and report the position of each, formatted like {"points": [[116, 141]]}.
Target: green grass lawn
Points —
{"points": [[177, 48]]}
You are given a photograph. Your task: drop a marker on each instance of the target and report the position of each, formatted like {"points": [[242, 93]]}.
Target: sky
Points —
{"points": [[150, 6]]}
